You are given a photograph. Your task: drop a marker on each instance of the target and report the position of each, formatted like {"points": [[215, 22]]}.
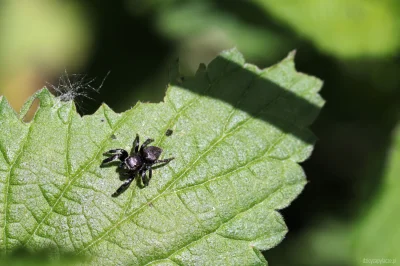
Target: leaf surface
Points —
{"points": [[238, 135]]}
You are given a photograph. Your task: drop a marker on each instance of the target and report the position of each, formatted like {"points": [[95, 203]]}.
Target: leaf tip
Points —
{"points": [[233, 54], [45, 96], [41, 95], [234, 49], [2, 99], [105, 108], [4, 104], [202, 68], [292, 54]]}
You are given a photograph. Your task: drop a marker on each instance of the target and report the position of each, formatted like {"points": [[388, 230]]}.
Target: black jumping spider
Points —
{"points": [[137, 162]]}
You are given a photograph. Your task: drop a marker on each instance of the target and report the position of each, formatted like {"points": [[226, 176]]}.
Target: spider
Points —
{"points": [[139, 161]]}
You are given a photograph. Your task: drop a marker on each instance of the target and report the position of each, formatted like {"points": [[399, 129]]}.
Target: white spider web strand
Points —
{"points": [[70, 87]]}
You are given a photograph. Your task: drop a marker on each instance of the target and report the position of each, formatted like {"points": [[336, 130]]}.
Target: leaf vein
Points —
{"points": [[162, 192], [3, 152], [76, 176], [192, 242], [7, 184]]}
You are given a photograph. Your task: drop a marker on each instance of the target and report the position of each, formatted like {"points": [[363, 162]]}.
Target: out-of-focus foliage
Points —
{"points": [[41, 36], [341, 27], [35, 32], [44, 257], [205, 23], [378, 233], [324, 243], [204, 27]]}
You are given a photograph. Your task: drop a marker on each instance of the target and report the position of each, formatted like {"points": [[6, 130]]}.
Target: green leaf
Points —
{"points": [[239, 133], [378, 234], [344, 28]]}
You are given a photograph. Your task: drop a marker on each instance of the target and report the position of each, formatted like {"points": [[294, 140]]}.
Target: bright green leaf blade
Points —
{"points": [[236, 164], [379, 233], [344, 28]]}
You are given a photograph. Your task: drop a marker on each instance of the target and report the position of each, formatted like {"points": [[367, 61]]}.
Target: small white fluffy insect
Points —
{"points": [[70, 87]]}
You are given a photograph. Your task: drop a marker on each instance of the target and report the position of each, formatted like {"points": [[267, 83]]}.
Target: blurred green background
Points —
{"points": [[354, 46]]}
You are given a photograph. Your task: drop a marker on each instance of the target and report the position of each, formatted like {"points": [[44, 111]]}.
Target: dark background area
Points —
{"points": [[138, 41]]}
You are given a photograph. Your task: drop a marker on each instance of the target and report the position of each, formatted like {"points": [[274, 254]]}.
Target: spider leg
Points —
{"points": [[124, 186], [125, 174], [111, 159], [135, 146], [144, 179], [117, 151], [164, 160], [150, 174], [144, 145], [122, 165], [117, 154]]}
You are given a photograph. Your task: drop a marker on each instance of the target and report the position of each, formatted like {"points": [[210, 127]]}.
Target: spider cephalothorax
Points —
{"points": [[139, 161]]}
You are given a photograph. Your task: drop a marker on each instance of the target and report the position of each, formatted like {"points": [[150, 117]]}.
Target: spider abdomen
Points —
{"points": [[151, 153]]}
